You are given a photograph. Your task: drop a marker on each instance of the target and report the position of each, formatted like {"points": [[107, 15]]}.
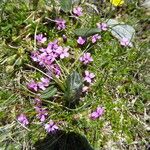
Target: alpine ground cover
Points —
{"points": [[63, 69]]}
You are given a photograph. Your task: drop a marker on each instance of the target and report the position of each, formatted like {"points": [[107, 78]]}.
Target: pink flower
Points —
{"points": [[23, 119], [32, 85], [63, 52], [85, 89], [52, 46], [42, 113], [60, 24], [125, 42], [44, 83], [42, 58], [86, 58], [41, 86], [34, 56], [77, 11], [88, 76], [95, 38], [40, 38], [81, 40], [51, 127], [98, 113], [54, 69], [102, 26]]}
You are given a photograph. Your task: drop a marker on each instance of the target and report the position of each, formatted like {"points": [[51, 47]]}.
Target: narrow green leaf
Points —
{"points": [[50, 93], [48, 89], [85, 32]]}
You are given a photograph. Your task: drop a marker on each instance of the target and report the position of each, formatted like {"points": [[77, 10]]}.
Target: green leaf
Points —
{"points": [[66, 5], [73, 88], [85, 32], [121, 30], [49, 92]]}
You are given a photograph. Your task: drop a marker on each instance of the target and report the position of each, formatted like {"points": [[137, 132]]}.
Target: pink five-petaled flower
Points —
{"points": [[77, 11], [42, 113], [40, 38], [98, 113], [81, 40], [52, 46], [63, 52], [60, 24], [23, 119], [32, 85], [125, 42], [44, 83], [88, 76], [51, 127], [86, 58], [102, 26], [95, 38]]}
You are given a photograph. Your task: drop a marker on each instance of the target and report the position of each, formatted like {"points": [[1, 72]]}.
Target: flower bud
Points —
{"points": [[11, 59], [9, 69]]}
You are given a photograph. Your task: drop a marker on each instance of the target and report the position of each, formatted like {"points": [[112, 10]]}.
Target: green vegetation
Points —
{"points": [[121, 84]]}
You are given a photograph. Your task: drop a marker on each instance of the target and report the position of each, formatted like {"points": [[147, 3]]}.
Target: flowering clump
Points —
{"points": [[98, 113], [60, 24], [86, 58], [23, 119], [54, 59], [51, 127], [46, 57], [78, 11], [102, 26]]}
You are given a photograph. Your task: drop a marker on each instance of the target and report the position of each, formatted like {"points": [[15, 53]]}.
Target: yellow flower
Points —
{"points": [[117, 2]]}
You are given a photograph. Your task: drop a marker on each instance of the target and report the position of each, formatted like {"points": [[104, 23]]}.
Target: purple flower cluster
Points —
{"points": [[42, 114], [46, 57], [42, 84], [97, 113]]}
